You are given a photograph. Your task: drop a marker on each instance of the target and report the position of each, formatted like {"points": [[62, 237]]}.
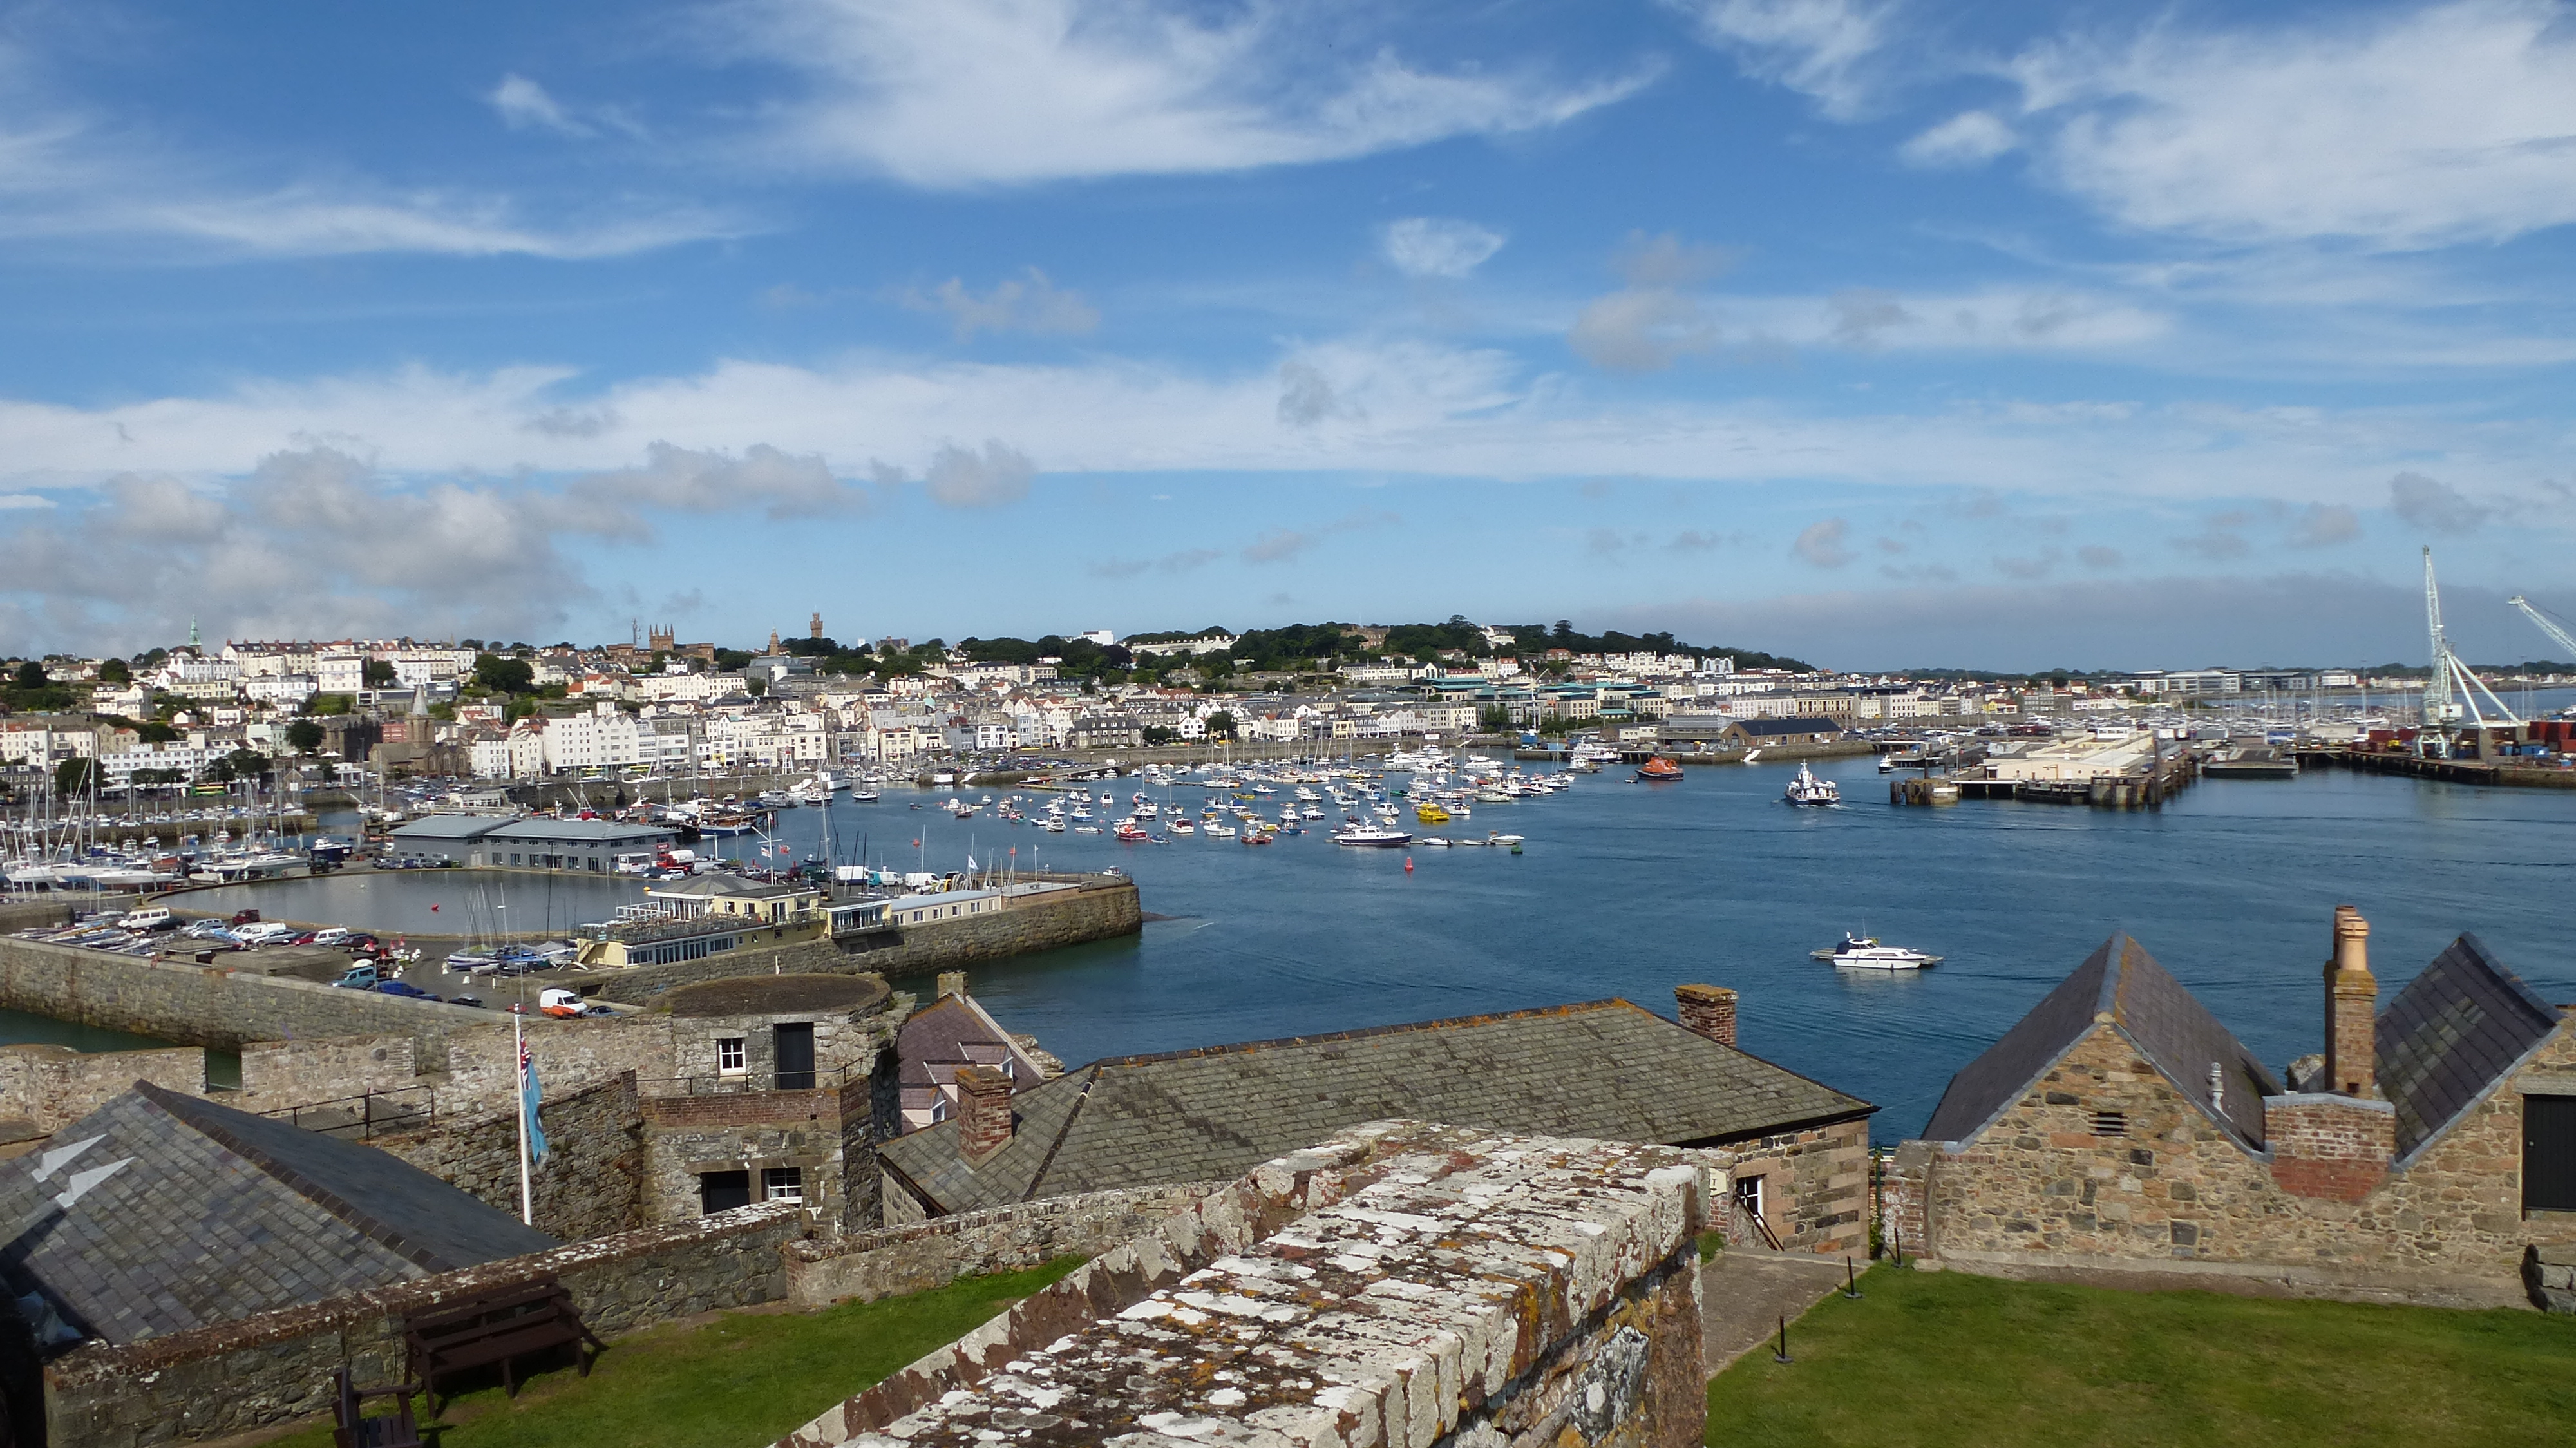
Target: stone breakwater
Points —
{"points": [[1103, 907], [1402, 1285]]}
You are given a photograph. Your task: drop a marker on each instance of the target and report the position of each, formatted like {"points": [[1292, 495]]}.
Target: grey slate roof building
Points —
{"points": [[1603, 1069], [2451, 1035], [2443, 1044], [2168, 1025], [205, 1215]]}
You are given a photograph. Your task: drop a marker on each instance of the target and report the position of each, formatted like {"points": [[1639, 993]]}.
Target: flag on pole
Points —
{"points": [[530, 1095], [970, 861]]}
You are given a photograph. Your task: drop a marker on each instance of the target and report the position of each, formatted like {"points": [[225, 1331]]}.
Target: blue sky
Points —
{"points": [[1999, 335]]}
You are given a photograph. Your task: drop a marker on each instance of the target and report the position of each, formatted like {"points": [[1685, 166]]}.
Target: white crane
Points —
{"points": [[2452, 689], [2548, 625]]}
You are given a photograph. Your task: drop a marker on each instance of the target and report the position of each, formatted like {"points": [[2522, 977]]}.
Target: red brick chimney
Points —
{"points": [[2352, 1009], [983, 1112], [1709, 1010]]}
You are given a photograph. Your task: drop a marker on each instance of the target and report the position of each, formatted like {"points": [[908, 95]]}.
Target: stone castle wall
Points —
{"points": [[263, 1370], [686, 1136], [591, 1183], [2039, 1191], [51, 1087], [864, 1266], [1099, 910], [1547, 1297]]}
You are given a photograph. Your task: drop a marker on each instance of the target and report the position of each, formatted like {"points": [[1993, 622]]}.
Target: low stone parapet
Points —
{"points": [[1402, 1285], [865, 1266]]}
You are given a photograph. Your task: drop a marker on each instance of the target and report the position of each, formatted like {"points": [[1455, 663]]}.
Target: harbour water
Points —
{"points": [[1630, 889]]}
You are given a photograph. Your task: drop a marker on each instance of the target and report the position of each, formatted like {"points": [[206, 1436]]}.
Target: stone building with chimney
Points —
{"points": [[1792, 1153], [2427, 1154]]}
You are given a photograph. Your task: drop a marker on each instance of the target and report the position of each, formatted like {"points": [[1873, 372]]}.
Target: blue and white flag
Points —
{"points": [[530, 1095]]}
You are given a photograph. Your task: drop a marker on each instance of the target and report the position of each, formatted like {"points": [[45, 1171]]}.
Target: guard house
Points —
{"points": [[504, 842]]}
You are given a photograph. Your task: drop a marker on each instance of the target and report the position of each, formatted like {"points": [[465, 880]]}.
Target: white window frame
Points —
{"points": [[782, 1184], [730, 1057]]}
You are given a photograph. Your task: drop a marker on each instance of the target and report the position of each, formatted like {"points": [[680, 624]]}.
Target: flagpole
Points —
{"points": [[519, 1063]]}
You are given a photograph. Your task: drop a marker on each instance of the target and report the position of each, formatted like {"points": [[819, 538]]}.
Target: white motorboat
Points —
{"points": [[1807, 789], [1864, 952], [1372, 836]]}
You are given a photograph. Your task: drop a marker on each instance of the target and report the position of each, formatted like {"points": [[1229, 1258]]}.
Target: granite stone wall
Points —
{"points": [[51, 1087], [2040, 1192], [277, 1366], [864, 1266], [1401, 1286], [202, 1005], [1815, 1185], [1098, 910], [591, 1183]]}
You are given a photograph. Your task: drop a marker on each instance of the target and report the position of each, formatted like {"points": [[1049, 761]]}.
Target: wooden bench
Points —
{"points": [[352, 1428], [498, 1328]]}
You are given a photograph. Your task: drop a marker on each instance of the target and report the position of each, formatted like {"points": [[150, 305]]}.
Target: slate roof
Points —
{"points": [[2168, 1025], [1808, 725], [2450, 1034], [1604, 1069], [218, 1214]]}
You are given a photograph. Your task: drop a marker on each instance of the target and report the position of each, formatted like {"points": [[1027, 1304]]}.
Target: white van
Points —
{"points": [[153, 918], [263, 932]]}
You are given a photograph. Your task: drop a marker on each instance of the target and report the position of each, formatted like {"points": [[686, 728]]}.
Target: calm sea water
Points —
{"points": [[1628, 890]]}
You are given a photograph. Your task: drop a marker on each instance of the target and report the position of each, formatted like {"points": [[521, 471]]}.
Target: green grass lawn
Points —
{"points": [[737, 1382], [1938, 1358]]}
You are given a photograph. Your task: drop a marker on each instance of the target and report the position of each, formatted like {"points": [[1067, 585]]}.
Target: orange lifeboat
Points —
{"points": [[1658, 767]]}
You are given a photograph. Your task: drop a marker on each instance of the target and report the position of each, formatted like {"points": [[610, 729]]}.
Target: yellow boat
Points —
{"points": [[1431, 814]]}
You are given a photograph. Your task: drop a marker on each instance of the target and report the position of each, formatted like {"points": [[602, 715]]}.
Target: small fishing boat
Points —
{"points": [[1372, 837]]}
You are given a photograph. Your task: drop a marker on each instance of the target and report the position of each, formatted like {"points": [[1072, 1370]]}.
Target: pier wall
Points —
{"points": [[263, 1370], [1101, 910], [203, 1005]]}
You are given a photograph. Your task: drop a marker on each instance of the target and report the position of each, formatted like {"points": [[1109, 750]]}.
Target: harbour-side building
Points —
{"points": [[2429, 1152], [503, 842], [1795, 1151]]}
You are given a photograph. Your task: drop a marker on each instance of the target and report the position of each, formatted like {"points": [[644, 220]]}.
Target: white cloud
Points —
{"points": [[2433, 506], [962, 93], [963, 478], [1432, 246], [1818, 47], [2399, 128], [1971, 138], [1015, 304], [716, 482], [1641, 329], [2325, 525], [524, 105], [1825, 544]]}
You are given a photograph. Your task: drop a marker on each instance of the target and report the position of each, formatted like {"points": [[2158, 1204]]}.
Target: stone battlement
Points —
{"points": [[1401, 1285]]}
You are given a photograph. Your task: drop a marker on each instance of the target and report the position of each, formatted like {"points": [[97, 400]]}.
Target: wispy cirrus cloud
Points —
{"points": [[968, 93], [1025, 303]]}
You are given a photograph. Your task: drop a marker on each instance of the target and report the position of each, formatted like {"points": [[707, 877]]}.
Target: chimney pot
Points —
{"points": [[2352, 1009], [1709, 1010], [983, 1112]]}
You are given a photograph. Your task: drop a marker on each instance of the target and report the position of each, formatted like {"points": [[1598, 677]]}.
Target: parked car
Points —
{"points": [[404, 989], [299, 937], [360, 977], [335, 935], [208, 929], [360, 940], [466, 1000], [243, 917], [263, 933]]}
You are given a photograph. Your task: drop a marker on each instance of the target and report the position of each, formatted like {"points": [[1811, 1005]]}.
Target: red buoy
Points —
{"points": [[1408, 864]]}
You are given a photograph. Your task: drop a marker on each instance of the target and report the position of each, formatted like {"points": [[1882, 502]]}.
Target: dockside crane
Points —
{"points": [[2452, 690], [2550, 626]]}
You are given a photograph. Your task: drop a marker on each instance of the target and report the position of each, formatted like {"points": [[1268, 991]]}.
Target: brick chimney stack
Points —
{"points": [[2352, 1009], [983, 1112], [951, 983], [1709, 1010]]}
